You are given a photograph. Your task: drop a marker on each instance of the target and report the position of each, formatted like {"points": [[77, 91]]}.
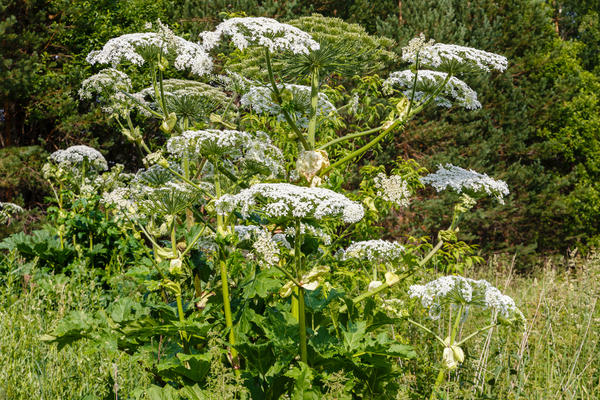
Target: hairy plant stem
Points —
{"points": [[314, 101], [224, 276], [178, 299], [363, 149], [388, 127], [350, 136], [286, 115], [300, 292]]}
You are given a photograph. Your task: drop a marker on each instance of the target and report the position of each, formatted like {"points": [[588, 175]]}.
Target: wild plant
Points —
{"points": [[248, 233]]}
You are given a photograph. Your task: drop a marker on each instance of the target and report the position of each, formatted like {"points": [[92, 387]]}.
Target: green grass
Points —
{"points": [[32, 369], [557, 356]]}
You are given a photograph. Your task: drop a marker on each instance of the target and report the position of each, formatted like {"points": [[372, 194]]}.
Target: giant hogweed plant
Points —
{"points": [[250, 259]]}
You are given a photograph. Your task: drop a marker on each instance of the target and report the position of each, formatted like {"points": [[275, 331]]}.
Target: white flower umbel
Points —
{"points": [[234, 82], [105, 83], [393, 189], [184, 87], [427, 83], [266, 249], [247, 232], [109, 85], [259, 99], [252, 150], [456, 290], [287, 201], [122, 200], [261, 31], [7, 210], [438, 55], [138, 48], [375, 251], [207, 142], [76, 155], [459, 179]]}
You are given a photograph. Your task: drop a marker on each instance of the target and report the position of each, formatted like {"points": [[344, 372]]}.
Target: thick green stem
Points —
{"points": [[390, 126], [350, 136], [439, 380], [314, 101], [224, 275], [173, 239], [301, 311], [302, 326], [277, 93], [227, 309], [363, 149]]}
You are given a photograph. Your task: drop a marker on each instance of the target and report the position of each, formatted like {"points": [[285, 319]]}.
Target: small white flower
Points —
{"points": [[374, 285], [458, 179], [393, 189], [436, 55], [7, 210], [76, 155], [427, 83], [308, 229], [375, 251], [137, 47], [266, 249], [286, 201], [456, 290], [107, 82], [261, 31]]}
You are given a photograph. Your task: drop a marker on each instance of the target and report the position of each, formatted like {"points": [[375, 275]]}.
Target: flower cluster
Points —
{"points": [[138, 48], [456, 290], [266, 249], [234, 82], [393, 189], [7, 210], [261, 31], [375, 251], [178, 88], [207, 142], [110, 85], [253, 151], [259, 98], [168, 199], [285, 201], [106, 82], [438, 54], [458, 178], [428, 82], [76, 155], [121, 200]]}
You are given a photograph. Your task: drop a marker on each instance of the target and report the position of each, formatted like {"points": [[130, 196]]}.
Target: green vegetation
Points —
{"points": [[556, 357], [256, 208]]}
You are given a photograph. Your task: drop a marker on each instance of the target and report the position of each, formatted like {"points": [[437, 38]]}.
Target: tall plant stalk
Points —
{"points": [[301, 310], [224, 273]]}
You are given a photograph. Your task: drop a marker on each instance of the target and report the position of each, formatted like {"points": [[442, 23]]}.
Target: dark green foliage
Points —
{"points": [[537, 130]]}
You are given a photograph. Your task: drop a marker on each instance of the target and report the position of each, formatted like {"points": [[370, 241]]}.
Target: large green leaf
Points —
{"points": [[303, 376]]}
